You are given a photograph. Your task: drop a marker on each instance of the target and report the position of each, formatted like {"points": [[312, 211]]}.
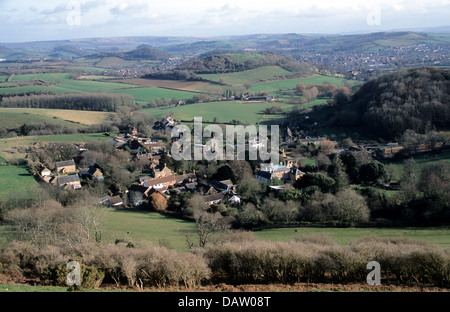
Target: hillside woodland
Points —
{"points": [[415, 99]]}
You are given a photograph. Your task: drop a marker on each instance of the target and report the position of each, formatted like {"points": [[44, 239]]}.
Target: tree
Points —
{"points": [[158, 202], [372, 172], [349, 207], [209, 226], [324, 182]]}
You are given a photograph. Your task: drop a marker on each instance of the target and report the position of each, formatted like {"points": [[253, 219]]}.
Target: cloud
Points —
{"points": [[129, 9]]}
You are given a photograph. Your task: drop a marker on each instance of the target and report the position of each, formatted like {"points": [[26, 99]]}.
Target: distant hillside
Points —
{"points": [[142, 52], [232, 63], [236, 62], [416, 99]]}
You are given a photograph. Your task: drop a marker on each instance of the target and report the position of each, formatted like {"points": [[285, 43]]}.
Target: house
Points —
{"points": [[136, 195], [260, 98], [68, 182], [155, 147], [103, 200], [162, 183], [213, 198], [224, 185], [278, 171], [233, 199], [91, 173], [161, 171], [295, 174], [64, 167], [186, 178], [115, 201], [45, 172], [205, 189]]}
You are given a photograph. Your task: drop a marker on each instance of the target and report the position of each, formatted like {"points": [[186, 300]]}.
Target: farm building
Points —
{"points": [[68, 182], [63, 167], [160, 183], [213, 198]]}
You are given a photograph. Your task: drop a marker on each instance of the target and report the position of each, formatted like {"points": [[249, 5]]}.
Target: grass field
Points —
{"points": [[9, 146], [150, 226], [145, 95], [421, 160], [439, 236], [135, 226], [15, 179], [289, 84], [93, 86], [47, 77], [249, 76], [226, 111], [15, 117]]}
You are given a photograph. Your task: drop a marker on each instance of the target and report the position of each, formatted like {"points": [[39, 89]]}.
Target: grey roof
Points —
{"points": [[65, 163], [68, 179]]}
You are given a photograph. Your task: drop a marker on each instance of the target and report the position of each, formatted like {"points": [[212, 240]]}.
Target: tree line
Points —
{"points": [[75, 101]]}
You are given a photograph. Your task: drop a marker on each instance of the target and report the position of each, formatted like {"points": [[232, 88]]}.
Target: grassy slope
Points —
{"points": [[152, 227], [26, 141], [15, 179], [438, 235], [15, 117], [224, 111], [145, 95], [248, 76]]}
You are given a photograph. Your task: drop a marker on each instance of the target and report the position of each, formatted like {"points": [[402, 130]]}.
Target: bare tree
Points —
{"points": [[209, 227]]}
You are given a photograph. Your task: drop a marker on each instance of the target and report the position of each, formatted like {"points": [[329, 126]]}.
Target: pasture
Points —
{"points": [[146, 95], [249, 76], [15, 117], [15, 179], [439, 236], [221, 112], [141, 226], [290, 84]]}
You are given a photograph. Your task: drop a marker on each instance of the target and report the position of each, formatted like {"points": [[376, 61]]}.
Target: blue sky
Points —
{"points": [[28, 20]]}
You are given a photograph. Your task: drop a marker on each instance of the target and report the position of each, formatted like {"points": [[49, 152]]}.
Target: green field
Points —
{"points": [[93, 86], [47, 77], [136, 226], [289, 84], [249, 76], [226, 111], [12, 118], [22, 89], [15, 179], [146, 95], [439, 235]]}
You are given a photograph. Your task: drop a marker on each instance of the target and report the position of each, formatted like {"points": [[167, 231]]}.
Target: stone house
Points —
{"points": [[64, 167]]}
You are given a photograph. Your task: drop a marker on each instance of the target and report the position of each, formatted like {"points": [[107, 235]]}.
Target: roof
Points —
{"points": [[213, 197], [65, 163], [264, 174], [68, 179], [115, 200], [152, 182]]}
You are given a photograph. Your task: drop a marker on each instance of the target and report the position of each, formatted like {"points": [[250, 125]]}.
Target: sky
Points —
{"points": [[31, 20]]}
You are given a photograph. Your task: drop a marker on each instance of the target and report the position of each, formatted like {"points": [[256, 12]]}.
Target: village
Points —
{"points": [[158, 180]]}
